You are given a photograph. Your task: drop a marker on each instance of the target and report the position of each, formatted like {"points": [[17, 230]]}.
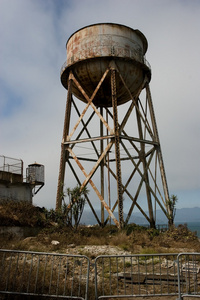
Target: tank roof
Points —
{"points": [[142, 36], [35, 164], [90, 51]]}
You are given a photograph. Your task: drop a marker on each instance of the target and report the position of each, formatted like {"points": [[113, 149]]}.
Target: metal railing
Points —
{"points": [[136, 275], [188, 275], [65, 276], [44, 274], [11, 165]]}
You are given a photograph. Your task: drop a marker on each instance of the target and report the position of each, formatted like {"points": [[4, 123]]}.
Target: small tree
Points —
{"points": [[77, 200], [171, 203]]}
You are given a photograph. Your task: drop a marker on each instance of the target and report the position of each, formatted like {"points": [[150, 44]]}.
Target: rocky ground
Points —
{"points": [[41, 227], [94, 241], [32, 233]]}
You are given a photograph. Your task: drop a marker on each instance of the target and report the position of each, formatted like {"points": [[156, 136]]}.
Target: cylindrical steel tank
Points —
{"points": [[35, 174], [89, 53]]}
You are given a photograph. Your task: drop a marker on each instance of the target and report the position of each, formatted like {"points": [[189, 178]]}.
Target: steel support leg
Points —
{"points": [[160, 158], [63, 158], [117, 149]]}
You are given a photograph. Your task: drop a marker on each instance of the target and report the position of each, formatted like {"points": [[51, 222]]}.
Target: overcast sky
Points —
{"points": [[33, 35]]}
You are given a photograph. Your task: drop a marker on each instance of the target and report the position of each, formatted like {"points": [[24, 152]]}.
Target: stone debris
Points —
{"points": [[55, 243], [95, 250]]}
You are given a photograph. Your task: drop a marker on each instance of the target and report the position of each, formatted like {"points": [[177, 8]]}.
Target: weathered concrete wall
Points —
{"points": [[11, 177], [16, 192]]}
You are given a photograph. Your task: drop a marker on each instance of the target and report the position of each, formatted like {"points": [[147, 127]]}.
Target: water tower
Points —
{"points": [[35, 177], [110, 137]]}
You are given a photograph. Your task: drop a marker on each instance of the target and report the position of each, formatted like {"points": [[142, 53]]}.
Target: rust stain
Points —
{"points": [[89, 52]]}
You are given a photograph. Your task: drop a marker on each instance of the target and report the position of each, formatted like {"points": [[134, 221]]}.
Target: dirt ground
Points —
{"points": [[94, 241]]}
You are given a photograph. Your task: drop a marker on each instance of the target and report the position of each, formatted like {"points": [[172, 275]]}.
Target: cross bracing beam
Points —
{"points": [[131, 139]]}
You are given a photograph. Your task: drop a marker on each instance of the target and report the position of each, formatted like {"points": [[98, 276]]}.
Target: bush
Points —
{"points": [[21, 213], [134, 227], [181, 233]]}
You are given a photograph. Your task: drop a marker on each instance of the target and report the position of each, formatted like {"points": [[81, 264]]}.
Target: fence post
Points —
{"points": [[95, 278], [179, 279]]}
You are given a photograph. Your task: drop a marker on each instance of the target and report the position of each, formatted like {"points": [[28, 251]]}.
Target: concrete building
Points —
{"points": [[13, 186]]}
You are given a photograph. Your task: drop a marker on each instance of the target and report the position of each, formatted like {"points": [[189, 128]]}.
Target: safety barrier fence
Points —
{"points": [[137, 275], [43, 274], [11, 165], [130, 276], [121, 276], [188, 273]]}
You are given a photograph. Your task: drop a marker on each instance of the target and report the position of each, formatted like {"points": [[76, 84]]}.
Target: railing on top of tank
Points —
{"points": [[11, 165]]}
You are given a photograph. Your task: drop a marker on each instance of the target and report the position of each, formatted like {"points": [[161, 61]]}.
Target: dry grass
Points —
{"points": [[174, 240], [133, 238], [21, 214]]}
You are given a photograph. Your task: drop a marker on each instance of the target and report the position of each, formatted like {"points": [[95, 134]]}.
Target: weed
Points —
{"points": [[153, 232], [124, 247], [148, 251], [120, 239], [131, 228], [128, 264]]}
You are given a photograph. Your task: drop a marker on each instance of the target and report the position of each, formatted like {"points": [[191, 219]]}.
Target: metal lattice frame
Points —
{"points": [[115, 137]]}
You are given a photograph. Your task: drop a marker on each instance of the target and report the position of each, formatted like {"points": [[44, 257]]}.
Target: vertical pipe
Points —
{"points": [[73, 277], [58, 277], [8, 275], [80, 278], [156, 157], [179, 276], [117, 265], [15, 273], [117, 150], [4, 164], [63, 151], [22, 167], [108, 163], [44, 273], [51, 275], [87, 279], [95, 279], [29, 277], [124, 274], [110, 274], [66, 277], [37, 273], [102, 168], [22, 276]]}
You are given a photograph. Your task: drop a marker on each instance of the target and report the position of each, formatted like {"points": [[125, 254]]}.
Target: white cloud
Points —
{"points": [[33, 37]]}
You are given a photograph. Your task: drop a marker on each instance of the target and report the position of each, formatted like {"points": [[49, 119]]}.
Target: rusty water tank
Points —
{"points": [[89, 53], [35, 174]]}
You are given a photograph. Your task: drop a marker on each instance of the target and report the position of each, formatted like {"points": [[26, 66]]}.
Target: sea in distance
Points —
{"points": [[183, 216]]}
